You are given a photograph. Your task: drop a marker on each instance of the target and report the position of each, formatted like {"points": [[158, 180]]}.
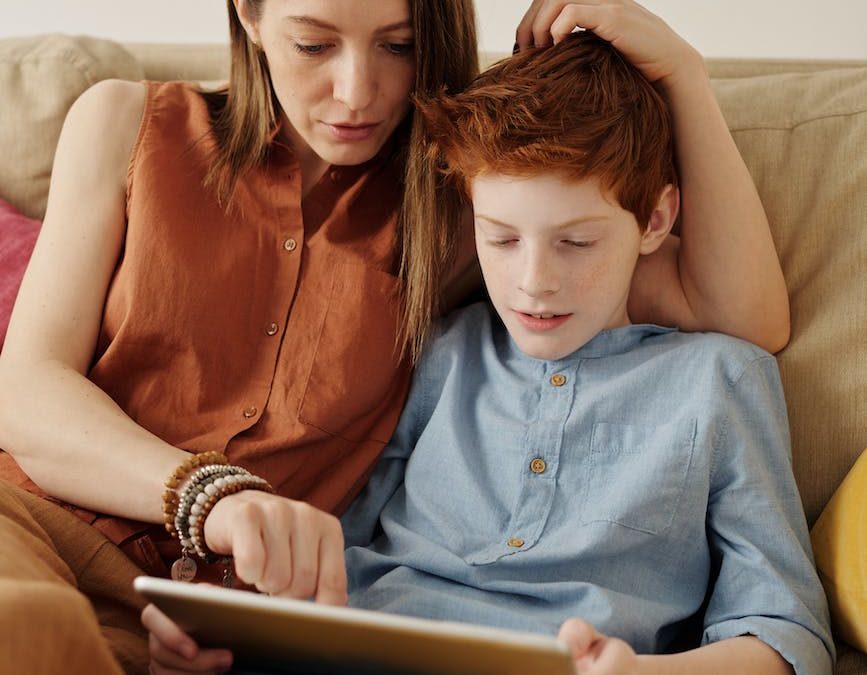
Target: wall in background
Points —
{"points": [[734, 28]]}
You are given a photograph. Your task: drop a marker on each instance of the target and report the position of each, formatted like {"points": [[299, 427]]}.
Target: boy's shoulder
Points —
{"points": [[729, 355], [461, 333], [465, 324]]}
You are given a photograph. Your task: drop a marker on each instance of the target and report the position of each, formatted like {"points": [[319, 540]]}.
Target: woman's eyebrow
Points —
{"points": [[318, 23]]}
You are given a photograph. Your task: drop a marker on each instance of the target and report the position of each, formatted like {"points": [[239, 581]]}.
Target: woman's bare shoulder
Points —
{"points": [[106, 119]]}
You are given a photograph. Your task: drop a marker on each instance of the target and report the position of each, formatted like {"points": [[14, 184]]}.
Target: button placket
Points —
{"points": [[545, 435]]}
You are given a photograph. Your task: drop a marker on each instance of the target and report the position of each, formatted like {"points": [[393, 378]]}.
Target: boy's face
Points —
{"points": [[557, 256]]}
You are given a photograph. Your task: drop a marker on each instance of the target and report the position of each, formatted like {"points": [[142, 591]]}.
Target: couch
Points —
{"points": [[802, 129]]}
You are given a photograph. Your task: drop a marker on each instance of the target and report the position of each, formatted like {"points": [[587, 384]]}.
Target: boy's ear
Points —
{"points": [[661, 220]]}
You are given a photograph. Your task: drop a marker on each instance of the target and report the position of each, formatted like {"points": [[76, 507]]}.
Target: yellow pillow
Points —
{"points": [[840, 544]]}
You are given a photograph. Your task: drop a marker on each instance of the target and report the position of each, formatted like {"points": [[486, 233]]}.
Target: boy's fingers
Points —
{"points": [[579, 635]]}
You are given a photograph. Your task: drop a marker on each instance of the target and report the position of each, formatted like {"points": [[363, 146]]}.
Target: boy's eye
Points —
{"points": [[578, 244]]}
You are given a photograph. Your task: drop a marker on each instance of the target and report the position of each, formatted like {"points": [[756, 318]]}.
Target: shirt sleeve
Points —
{"points": [[360, 521], [766, 583]]}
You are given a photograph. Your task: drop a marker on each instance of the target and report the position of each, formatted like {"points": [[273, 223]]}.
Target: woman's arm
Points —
{"points": [[724, 275], [66, 433]]}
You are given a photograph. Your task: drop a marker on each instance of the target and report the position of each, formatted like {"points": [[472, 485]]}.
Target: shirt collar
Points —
{"points": [[607, 343]]}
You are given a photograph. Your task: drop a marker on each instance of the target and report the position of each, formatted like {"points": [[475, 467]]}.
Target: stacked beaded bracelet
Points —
{"points": [[197, 483], [207, 478], [185, 468], [206, 499]]}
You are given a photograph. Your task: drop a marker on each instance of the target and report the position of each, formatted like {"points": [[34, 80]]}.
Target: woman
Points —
{"points": [[238, 282]]}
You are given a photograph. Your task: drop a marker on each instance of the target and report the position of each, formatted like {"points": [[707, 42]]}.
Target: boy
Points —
{"points": [[554, 461]]}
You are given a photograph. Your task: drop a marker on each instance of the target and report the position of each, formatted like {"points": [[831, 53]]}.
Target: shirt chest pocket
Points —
{"points": [[354, 373], [638, 474]]}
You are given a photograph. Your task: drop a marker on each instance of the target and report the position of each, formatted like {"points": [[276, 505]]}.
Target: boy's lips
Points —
{"points": [[541, 321]]}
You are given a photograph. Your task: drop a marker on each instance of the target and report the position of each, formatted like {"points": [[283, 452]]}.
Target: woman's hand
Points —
{"points": [[173, 651], [641, 36], [595, 653], [282, 547]]}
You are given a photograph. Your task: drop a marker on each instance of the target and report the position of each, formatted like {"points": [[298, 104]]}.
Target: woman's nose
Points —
{"points": [[355, 82]]}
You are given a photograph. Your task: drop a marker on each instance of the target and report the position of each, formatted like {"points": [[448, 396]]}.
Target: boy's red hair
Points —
{"points": [[577, 108]]}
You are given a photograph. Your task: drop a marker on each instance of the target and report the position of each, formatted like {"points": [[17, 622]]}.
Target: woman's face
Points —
{"points": [[342, 70]]}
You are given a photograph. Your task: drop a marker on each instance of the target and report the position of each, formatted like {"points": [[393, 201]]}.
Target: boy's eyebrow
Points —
{"points": [[559, 226], [318, 23]]}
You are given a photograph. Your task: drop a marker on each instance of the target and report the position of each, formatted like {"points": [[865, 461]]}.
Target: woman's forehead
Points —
{"points": [[343, 15]]}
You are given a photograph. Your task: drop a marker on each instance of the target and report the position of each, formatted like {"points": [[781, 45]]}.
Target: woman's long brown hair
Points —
{"points": [[245, 114]]}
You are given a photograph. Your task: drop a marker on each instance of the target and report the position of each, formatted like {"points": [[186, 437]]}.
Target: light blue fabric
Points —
{"points": [[667, 483]]}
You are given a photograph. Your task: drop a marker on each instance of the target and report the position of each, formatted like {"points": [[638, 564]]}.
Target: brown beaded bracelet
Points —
{"points": [[182, 471]]}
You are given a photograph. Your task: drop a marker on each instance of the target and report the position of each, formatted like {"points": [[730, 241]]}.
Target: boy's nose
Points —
{"points": [[539, 277]]}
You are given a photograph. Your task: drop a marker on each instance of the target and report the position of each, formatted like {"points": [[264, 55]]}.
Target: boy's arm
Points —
{"points": [[725, 274], [597, 654], [766, 610], [765, 583]]}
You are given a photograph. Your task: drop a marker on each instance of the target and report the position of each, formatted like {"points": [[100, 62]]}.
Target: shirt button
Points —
{"points": [[538, 465], [271, 329], [335, 175], [558, 380], [251, 412], [515, 542], [290, 244]]}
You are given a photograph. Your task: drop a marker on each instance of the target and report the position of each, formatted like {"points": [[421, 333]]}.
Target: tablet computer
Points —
{"points": [[279, 635]]}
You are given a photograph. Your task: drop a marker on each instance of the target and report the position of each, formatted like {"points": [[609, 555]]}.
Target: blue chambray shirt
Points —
{"points": [[643, 483]]}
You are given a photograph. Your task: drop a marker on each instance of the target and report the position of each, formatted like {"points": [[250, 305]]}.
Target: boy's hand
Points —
{"points": [[281, 546], [595, 653], [641, 36]]}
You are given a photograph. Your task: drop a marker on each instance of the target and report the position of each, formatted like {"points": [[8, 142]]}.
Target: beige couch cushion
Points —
{"points": [[40, 77], [803, 137]]}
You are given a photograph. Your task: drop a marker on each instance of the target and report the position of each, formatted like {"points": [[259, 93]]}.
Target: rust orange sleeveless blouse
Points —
{"points": [[268, 332]]}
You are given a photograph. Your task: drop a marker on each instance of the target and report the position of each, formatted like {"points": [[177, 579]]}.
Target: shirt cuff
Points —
{"points": [[804, 650]]}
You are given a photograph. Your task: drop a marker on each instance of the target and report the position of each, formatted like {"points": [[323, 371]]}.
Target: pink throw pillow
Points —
{"points": [[17, 238]]}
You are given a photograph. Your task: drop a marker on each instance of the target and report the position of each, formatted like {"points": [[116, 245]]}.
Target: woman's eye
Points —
{"points": [[400, 48], [503, 242], [310, 50]]}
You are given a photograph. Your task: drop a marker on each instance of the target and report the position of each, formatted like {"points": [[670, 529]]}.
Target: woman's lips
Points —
{"points": [[352, 132], [537, 323]]}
